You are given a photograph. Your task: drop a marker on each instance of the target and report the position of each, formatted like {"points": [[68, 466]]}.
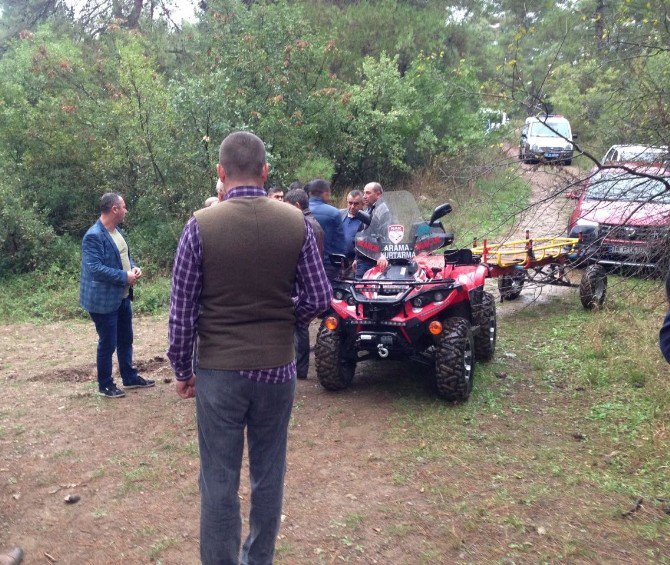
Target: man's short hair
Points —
{"points": [[376, 187], [274, 189], [242, 155], [295, 184], [317, 187], [355, 193], [297, 196], [108, 201]]}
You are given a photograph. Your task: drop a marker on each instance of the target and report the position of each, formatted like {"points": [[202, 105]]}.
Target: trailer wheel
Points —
{"points": [[332, 371], [455, 360], [510, 286], [593, 287], [484, 315]]}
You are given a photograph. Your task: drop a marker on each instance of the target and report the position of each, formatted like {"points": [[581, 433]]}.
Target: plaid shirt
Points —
{"points": [[311, 296]]}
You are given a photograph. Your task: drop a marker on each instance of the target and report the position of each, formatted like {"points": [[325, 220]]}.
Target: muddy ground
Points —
{"points": [[362, 485]]}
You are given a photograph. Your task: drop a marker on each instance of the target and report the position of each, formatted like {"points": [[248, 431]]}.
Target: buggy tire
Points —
{"points": [[455, 360], [332, 371], [567, 162], [593, 287], [484, 315], [510, 286]]}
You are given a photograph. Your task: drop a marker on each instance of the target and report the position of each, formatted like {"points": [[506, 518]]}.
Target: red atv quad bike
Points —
{"points": [[424, 307]]}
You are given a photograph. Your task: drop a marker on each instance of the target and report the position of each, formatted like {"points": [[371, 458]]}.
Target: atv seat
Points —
{"points": [[459, 257]]}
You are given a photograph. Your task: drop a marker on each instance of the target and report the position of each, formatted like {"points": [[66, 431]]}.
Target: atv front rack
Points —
{"points": [[386, 290]]}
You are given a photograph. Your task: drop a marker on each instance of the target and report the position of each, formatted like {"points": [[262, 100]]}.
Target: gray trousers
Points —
{"points": [[227, 403]]}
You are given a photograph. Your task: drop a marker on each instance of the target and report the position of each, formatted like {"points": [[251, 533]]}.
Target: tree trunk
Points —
{"points": [[600, 25]]}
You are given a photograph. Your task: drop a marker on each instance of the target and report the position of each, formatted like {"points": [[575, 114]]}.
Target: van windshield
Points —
{"points": [[561, 129]]}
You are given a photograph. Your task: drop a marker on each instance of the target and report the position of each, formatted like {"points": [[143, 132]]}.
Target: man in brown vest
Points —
{"points": [[237, 267]]}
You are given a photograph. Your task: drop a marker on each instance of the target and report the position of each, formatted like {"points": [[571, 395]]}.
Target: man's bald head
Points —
{"points": [[242, 156]]}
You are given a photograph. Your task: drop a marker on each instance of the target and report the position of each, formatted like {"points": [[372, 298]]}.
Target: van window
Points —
{"points": [[539, 129]]}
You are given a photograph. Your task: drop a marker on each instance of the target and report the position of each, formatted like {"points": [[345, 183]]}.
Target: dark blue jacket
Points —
{"points": [[329, 219], [664, 337], [103, 279]]}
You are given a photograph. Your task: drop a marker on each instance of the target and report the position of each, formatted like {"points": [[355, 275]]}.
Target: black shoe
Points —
{"points": [[111, 391], [302, 377], [139, 382]]}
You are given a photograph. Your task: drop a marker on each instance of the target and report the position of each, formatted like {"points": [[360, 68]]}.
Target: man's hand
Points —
{"points": [[132, 277], [137, 271], [186, 389]]}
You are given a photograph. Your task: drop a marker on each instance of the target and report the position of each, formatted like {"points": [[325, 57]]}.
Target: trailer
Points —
{"points": [[540, 261]]}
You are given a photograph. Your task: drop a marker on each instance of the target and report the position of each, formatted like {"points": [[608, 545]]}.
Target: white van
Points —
{"points": [[546, 138]]}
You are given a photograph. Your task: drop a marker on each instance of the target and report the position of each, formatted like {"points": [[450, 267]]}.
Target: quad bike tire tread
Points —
{"points": [[483, 315], [593, 287], [510, 286], [333, 374], [451, 375]]}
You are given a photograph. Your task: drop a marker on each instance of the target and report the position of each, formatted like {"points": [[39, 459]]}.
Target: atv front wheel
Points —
{"points": [[510, 286], [455, 360], [333, 372], [484, 315], [593, 287]]}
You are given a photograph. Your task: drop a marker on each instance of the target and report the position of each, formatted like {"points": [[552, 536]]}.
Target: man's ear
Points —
{"points": [[265, 171], [220, 172]]}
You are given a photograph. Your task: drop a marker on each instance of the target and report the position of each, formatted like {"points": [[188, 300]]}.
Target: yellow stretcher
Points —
{"points": [[525, 252]]}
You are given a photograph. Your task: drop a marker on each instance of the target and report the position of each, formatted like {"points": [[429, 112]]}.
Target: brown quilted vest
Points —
{"points": [[250, 249]]}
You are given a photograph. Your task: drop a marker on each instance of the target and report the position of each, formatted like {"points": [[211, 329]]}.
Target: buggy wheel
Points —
{"points": [[593, 287], [510, 286], [333, 372], [484, 315], [455, 360]]}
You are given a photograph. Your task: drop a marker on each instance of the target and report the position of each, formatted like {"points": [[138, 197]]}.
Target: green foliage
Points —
{"points": [[349, 91], [53, 294]]}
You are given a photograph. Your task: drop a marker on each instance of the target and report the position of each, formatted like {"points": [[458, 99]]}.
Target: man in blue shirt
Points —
{"points": [[329, 219], [350, 224]]}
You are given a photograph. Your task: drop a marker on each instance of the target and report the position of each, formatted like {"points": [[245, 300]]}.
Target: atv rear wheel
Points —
{"points": [[593, 287], [510, 286], [333, 372], [484, 315], [455, 360]]}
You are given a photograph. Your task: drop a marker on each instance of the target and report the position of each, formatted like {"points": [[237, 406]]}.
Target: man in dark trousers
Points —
{"points": [[108, 274], [298, 197], [246, 272], [329, 219]]}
